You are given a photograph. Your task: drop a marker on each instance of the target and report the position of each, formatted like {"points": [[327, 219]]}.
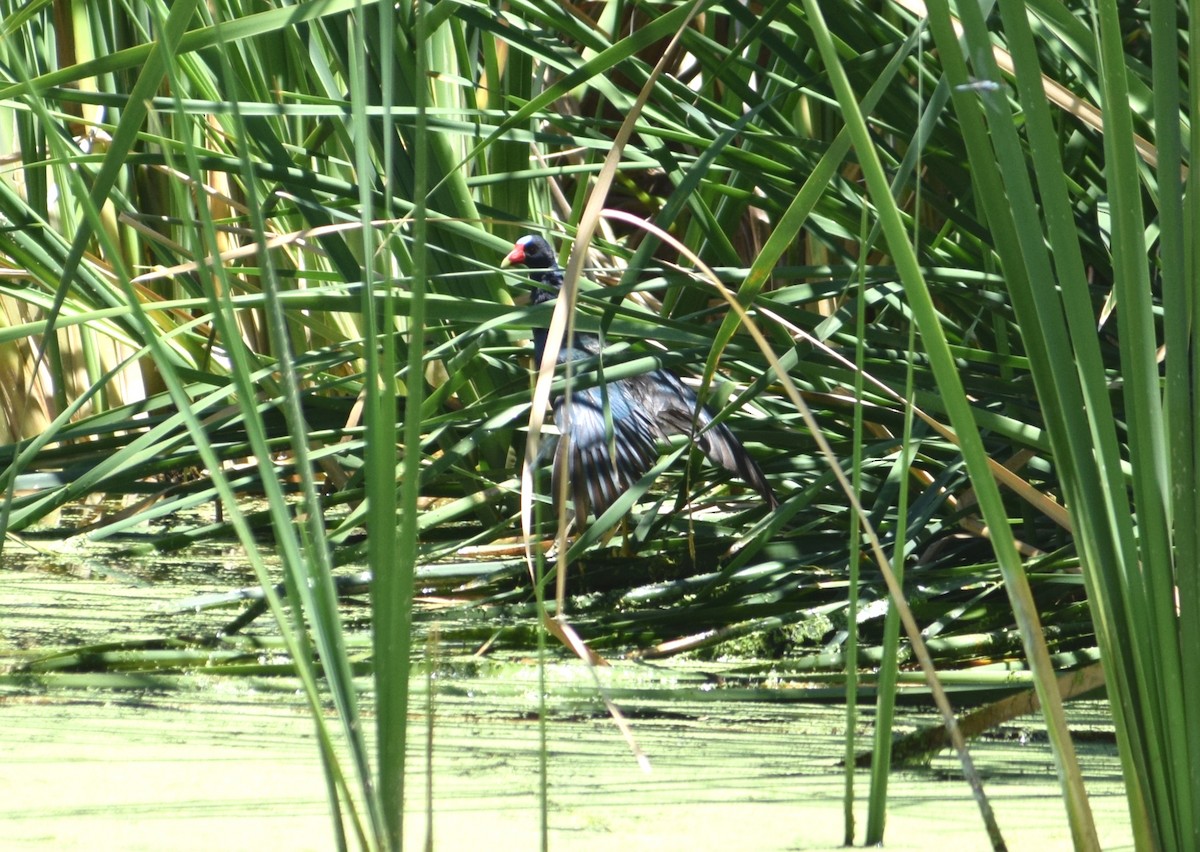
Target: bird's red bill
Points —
{"points": [[517, 255]]}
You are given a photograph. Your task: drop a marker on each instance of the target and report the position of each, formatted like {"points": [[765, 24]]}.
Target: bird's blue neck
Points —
{"points": [[550, 281]]}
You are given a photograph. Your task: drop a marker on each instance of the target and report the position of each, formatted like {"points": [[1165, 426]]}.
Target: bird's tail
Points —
{"points": [[720, 444]]}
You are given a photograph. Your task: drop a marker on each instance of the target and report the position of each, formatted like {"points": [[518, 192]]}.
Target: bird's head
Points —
{"points": [[535, 254], [532, 252]]}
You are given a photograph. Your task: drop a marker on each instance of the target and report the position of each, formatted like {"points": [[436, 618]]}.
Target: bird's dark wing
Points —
{"points": [[670, 406], [600, 469]]}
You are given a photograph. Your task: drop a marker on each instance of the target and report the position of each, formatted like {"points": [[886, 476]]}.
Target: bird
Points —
{"points": [[645, 410]]}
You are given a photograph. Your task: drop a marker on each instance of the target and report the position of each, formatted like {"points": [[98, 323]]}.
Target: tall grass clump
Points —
{"points": [[249, 253]]}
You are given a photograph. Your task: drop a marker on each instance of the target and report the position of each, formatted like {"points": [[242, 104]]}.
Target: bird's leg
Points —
{"points": [[626, 548], [567, 537]]}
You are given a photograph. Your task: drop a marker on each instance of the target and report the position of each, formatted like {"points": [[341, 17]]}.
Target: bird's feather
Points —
{"points": [[601, 464]]}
